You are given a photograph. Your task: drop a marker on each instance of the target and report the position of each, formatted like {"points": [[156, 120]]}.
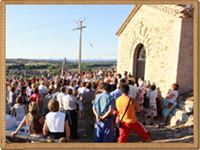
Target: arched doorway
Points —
{"points": [[139, 61]]}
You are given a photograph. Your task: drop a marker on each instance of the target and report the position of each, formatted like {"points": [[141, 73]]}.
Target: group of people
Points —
{"points": [[52, 106]]}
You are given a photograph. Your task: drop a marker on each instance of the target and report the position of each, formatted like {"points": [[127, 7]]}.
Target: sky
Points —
{"points": [[46, 31]]}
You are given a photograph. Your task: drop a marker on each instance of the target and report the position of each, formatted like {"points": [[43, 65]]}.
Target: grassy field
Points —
{"points": [[30, 67]]}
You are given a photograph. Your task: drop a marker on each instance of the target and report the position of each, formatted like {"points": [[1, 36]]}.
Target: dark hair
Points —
{"points": [[70, 91], [23, 88], [124, 88], [83, 84], [63, 89], [94, 85], [153, 87], [13, 89], [53, 105], [123, 81], [130, 82], [50, 90], [125, 73], [88, 85], [106, 87], [119, 75], [175, 86]]}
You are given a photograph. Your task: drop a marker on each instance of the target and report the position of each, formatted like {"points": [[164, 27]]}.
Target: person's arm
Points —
{"points": [[110, 110], [171, 95], [22, 123], [45, 129], [42, 120], [13, 111], [79, 104], [136, 105], [67, 129], [96, 114]]}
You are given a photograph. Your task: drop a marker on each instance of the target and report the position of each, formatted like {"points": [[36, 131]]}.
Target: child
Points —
{"points": [[151, 112]]}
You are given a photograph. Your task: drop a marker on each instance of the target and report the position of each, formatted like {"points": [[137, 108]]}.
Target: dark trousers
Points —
{"points": [[73, 122]]}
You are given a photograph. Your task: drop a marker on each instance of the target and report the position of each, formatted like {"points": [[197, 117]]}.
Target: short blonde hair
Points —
{"points": [[53, 105]]}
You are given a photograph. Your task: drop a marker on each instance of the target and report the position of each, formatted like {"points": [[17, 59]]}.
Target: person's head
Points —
{"points": [[175, 86], [124, 88], [23, 90], [41, 82], [13, 89], [125, 73], [130, 82], [106, 87], [50, 90], [153, 87], [36, 91], [83, 84], [88, 85], [70, 91], [19, 100], [63, 89], [123, 81], [33, 108], [94, 85], [119, 76], [78, 82], [53, 105]]}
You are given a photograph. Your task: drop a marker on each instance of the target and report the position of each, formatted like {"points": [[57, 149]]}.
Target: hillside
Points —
{"points": [[29, 67]]}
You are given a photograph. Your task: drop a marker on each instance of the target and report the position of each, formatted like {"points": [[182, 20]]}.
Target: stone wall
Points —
{"points": [[161, 34], [185, 64]]}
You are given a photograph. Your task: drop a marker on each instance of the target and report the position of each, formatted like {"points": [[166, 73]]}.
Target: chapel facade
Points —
{"points": [[156, 42]]}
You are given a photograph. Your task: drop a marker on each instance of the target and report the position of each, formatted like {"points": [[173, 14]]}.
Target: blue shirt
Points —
{"points": [[102, 103], [116, 93]]}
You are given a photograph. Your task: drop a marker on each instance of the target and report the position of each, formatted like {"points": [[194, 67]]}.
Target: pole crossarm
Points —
{"points": [[80, 28]]}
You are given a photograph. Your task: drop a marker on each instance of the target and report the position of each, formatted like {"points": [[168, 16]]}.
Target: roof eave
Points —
{"points": [[128, 19]]}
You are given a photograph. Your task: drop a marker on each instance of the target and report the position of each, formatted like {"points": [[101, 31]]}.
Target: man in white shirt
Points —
{"points": [[82, 89], [42, 88], [132, 89], [60, 98], [70, 107]]}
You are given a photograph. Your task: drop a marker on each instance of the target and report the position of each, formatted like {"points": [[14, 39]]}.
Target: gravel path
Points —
{"points": [[158, 134]]}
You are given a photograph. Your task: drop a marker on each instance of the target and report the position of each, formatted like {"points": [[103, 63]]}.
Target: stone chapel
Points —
{"points": [[156, 42]]}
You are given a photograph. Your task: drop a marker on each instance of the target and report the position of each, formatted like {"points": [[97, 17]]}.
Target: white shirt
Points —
{"points": [[70, 103], [174, 97], [43, 89], [55, 121], [60, 99], [82, 90], [20, 111], [29, 91], [152, 95], [132, 91]]}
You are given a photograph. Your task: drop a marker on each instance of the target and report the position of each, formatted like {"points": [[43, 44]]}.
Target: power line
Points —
{"points": [[40, 27], [39, 39]]}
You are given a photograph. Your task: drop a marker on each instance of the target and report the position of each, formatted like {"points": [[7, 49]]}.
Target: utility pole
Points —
{"points": [[81, 27]]}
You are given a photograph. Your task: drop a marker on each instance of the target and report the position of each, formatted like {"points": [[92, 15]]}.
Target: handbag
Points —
{"points": [[118, 124]]}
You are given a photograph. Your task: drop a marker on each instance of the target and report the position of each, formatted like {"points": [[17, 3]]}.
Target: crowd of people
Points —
{"points": [[51, 106]]}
